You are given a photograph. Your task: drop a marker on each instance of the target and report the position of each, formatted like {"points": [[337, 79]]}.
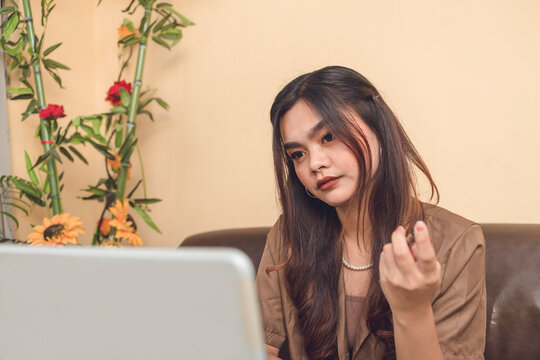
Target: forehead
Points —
{"points": [[298, 122]]}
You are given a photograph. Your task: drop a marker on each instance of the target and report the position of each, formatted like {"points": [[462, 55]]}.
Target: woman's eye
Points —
{"points": [[327, 137], [297, 155]]}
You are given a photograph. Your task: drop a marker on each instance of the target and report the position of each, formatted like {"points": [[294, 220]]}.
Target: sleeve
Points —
{"points": [[460, 308], [269, 290]]}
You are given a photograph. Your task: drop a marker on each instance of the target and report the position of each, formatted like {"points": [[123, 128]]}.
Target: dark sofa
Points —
{"points": [[512, 280]]}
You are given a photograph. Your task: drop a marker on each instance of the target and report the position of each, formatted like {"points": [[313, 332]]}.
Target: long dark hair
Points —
{"points": [[311, 227]]}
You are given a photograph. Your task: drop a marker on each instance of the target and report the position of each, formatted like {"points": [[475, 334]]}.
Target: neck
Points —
{"points": [[356, 227]]}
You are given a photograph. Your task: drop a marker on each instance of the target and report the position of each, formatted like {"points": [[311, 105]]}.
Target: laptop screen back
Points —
{"points": [[88, 303]]}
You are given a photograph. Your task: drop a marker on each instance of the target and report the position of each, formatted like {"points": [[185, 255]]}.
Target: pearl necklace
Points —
{"points": [[355, 268]]}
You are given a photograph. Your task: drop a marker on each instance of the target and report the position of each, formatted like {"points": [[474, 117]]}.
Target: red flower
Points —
{"points": [[52, 112], [113, 95]]}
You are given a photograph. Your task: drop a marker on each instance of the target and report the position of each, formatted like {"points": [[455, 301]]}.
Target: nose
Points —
{"points": [[318, 159]]}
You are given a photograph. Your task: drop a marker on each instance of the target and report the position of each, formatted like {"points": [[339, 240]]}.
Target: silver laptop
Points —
{"points": [[88, 303]]}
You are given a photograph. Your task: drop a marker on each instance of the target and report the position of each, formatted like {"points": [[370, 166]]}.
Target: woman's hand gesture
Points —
{"points": [[409, 276]]}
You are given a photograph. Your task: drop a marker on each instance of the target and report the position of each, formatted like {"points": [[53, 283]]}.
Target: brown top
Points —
{"points": [[459, 305], [353, 310]]}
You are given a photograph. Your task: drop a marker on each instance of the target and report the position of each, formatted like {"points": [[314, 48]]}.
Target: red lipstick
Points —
{"points": [[327, 182]]}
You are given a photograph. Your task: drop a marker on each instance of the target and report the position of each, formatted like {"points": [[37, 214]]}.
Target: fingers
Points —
{"points": [[396, 262], [402, 254], [424, 252]]}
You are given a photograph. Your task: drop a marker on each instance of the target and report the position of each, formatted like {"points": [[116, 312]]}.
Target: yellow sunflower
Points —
{"points": [[124, 224], [61, 229], [110, 243]]}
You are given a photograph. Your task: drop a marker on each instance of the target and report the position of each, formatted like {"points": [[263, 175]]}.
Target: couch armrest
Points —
{"points": [[250, 240]]}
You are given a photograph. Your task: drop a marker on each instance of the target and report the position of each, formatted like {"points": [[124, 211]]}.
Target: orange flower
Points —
{"points": [[105, 227], [125, 227], [116, 164], [124, 32], [61, 229]]}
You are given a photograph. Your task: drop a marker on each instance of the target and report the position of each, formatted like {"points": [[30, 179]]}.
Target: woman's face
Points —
{"points": [[324, 164]]}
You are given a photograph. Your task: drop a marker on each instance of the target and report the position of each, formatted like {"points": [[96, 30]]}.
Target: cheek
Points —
{"points": [[302, 174]]}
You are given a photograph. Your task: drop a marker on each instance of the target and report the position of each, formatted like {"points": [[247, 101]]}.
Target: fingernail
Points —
{"points": [[420, 225]]}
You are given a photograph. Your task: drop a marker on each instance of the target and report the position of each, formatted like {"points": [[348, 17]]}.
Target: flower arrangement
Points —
{"points": [[113, 133]]}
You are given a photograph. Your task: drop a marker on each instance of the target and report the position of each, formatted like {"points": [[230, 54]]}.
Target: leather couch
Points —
{"points": [[512, 280]]}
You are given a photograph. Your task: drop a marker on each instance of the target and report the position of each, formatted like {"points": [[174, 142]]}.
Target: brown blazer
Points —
{"points": [[459, 306]]}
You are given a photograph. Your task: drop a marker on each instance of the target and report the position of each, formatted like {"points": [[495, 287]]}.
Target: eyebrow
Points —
{"points": [[311, 134]]}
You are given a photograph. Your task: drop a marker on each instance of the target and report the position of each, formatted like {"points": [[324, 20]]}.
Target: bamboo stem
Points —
{"points": [[132, 113], [141, 164], [44, 123]]}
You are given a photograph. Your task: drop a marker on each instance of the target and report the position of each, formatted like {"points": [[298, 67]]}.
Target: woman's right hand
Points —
{"points": [[272, 352]]}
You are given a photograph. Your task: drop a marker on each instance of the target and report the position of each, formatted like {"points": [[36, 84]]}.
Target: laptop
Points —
{"points": [[93, 303]]}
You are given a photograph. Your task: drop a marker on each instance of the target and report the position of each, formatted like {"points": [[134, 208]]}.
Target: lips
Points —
{"points": [[327, 182]]}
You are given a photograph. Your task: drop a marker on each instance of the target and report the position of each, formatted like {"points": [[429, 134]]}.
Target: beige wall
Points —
{"points": [[463, 76]]}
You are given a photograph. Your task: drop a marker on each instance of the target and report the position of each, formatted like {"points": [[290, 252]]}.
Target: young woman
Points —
{"points": [[357, 267]]}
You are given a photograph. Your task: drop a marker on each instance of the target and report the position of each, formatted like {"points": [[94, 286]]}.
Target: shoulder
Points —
{"points": [[448, 230], [275, 243]]}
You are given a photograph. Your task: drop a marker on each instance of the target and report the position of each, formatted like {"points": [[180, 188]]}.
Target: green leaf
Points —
{"points": [[55, 154], [130, 40], [90, 131], [108, 121], [11, 217], [11, 25], [147, 113], [96, 191], [173, 34], [52, 64], [30, 109], [128, 24], [96, 126], [162, 103], [7, 10], [142, 104], [93, 197], [126, 149], [41, 159], [184, 19], [55, 77], [78, 154], [128, 8], [146, 201], [134, 189], [30, 169], [66, 153], [46, 186], [119, 110], [119, 136], [20, 91], [146, 218], [26, 187], [61, 139], [126, 98], [160, 24], [51, 49], [76, 139], [163, 4], [102, 149], [76, 122], [16, 206], [158, 40], [44, 170]]}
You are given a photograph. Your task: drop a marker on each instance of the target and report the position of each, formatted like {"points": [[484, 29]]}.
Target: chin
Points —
{"points": [[335, 201]]}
